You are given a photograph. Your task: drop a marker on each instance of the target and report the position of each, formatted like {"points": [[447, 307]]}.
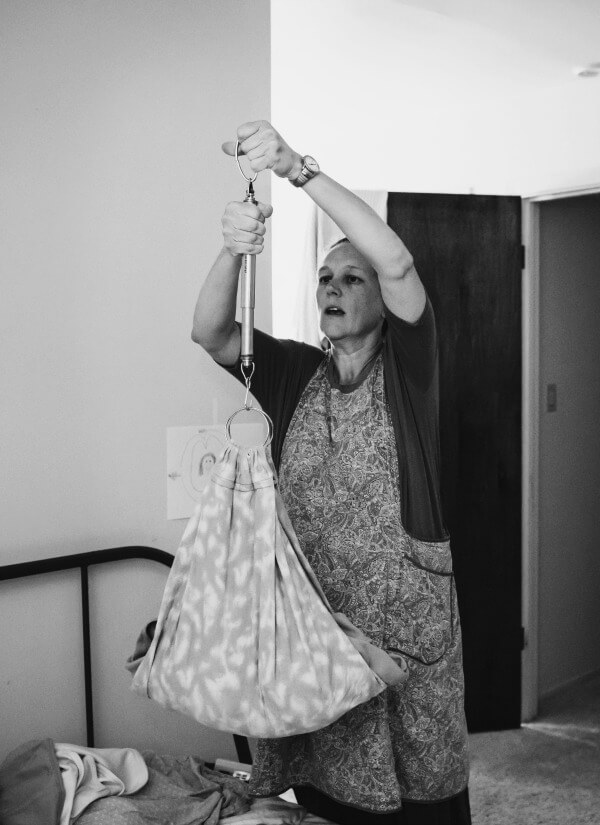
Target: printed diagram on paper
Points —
{"points": [[191, 455]]}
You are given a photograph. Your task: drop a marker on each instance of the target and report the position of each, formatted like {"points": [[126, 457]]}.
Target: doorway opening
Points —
{"points": [[561, 442]]}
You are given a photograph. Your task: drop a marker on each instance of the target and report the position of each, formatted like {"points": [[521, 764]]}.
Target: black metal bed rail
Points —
{"points": [[83, 561]]}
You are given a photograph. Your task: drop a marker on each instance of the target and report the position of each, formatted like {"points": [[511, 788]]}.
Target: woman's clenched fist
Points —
{"points": [[244, 227]]}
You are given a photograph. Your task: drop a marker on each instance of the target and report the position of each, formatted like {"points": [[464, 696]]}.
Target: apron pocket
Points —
{"points": [[423, 607]]}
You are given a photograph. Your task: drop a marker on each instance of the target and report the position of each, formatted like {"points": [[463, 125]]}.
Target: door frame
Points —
{"points": [[531, 410]]}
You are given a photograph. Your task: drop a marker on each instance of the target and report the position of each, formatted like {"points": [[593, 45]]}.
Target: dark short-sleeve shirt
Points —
{"points": [[410, 369]]}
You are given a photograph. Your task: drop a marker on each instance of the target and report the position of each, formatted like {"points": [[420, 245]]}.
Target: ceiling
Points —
{"points": [[567, 31]]}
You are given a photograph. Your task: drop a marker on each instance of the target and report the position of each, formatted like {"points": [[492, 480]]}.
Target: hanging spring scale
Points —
{"points": [[248, 276], [248, 279]]}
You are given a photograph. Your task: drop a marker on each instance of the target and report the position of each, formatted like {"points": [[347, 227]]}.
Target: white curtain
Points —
{"points": [[321, 233]]}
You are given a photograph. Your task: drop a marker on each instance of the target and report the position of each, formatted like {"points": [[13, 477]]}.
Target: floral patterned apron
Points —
{"points": [[339, 481]]}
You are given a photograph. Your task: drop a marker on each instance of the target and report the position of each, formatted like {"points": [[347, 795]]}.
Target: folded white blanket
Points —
{"points": [[275, 811], [91, 773]]}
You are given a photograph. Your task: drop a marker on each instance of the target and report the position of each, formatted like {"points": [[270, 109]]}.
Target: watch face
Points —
{"points": [[311, 163]]}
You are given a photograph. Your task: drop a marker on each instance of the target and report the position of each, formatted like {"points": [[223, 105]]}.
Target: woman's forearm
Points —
{"points": [[401, 288], [383, 249], [214, 325], [363, 227]]}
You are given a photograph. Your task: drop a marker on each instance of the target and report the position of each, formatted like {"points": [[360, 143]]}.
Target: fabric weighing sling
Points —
{"points": [[245, 640]]}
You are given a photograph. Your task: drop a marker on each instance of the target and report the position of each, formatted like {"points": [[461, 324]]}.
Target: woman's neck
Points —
{"points": [[351, 357]]}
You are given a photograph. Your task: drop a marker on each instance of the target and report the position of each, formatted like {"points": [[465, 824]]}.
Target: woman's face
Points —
{"points": [[348, 295]]}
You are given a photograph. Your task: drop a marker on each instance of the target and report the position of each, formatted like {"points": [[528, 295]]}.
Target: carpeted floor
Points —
{"points": [[546, 773]]}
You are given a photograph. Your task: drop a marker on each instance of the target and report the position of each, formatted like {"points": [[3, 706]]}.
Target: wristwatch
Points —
{"points": [[310, 168]]}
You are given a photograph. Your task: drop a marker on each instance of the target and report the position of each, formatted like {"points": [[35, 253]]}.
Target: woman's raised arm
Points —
{"points": [[401, 287], [214, 326]]}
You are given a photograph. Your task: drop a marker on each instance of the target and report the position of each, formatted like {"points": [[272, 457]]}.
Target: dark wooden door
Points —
{"points": [[467, 250]]}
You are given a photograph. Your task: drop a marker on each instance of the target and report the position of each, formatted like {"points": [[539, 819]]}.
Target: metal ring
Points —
{"points": [[250, 180], [267, 418]]}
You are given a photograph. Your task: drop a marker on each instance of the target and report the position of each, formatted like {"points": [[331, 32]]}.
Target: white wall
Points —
{"points": [[428, 96], [569, 611], [113, 188]]}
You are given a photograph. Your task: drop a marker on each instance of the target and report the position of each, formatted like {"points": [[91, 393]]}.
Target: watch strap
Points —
{"points": [[306, 172]]}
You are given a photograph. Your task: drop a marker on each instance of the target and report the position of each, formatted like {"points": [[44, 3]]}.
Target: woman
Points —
{"points": [[356, 447]]}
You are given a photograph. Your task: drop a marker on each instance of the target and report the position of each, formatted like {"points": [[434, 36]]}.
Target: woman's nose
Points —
{"points": [[332, 289]]}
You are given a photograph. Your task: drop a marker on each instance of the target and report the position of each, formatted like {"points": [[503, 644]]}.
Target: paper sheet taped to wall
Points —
{"points": [[191, 454]]}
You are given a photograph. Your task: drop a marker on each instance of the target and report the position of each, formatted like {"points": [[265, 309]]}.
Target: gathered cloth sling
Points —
{"points": [[245, 640]]}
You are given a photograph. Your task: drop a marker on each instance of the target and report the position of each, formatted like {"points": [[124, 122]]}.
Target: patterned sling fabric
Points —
{"points": [[245, 641], [339, 481]]}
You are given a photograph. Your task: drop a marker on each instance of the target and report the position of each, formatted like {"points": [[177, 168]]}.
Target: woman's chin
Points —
{"points": [[333, 328]]}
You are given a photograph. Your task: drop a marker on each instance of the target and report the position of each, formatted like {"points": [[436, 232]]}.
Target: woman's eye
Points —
{"points": [[352, 279], [324, 279]]}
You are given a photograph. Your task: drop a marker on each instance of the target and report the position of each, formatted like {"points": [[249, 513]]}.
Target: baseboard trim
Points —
{"points": [[569, 684]]}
